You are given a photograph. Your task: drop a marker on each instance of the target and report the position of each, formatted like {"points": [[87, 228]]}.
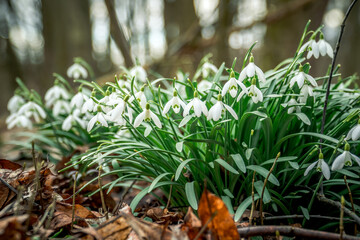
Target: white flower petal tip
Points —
{"points": [[251, 70], [317, 48], [139, 73], [179, 146], [76, 71], [198, 106], [147, 115], [99, 118], [217, 110]]}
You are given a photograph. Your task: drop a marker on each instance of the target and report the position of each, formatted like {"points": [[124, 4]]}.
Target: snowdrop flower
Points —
{"points": [[250, 70], [218, 109], [354, 132], [32, 109], [54, 93], [293, 106], [306, 91], [15, 103], [99, 118], [231, 86], [207, 68], [204, 85], [71, 119], [116, 115], [61, 107], [322, 166], [344, 159], [104, 103], [18, 120], [175, 103], [140, 97], [252, 92], [76, 70], [89, 104], [300, 78], [317, 48], [198, 105], [78, 99], [139, 73], [147, 115]]}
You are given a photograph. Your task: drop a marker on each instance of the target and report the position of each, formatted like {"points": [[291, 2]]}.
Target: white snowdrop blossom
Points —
{"points": [[293, 106], [55, 93], [300, 78], [175, 103], [61, 107], [140, 97], [139, 73], [32, 109], [251, 70], [322, 166], [354, 132], [74, 117], [116, 115], [218, 109], [344, 159], [76, 71], [317, 48], [253, 92], [306, 91], [231, 86], [15, 103], [78, 99], [207, 68], [18, 120], [204, 85], [198, 105], [99, 118], [89, 104], [147, 115]]}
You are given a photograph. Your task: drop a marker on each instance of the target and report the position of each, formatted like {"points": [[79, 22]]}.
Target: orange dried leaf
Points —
{"points": [[213, 209]]}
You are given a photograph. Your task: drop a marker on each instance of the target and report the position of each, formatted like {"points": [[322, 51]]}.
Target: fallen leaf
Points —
{"points": [[6, 164], [14, 227], [162, 216], [213, 209], [191, 225]]}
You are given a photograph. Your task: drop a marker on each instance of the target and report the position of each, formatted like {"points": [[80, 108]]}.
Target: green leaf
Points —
{"points": [[243, 206], [190, 194], [303, 118], [216, 79], [305, 212], [181, 167], [259, 186], [156, 180], [228, 204], [280, 159], [239, 161], [264, 172], [348, 173], [226, 166], [227, 192], [294, 165]]}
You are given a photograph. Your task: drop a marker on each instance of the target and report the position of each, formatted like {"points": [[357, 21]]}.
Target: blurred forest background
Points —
{"points": [[39, 37]]}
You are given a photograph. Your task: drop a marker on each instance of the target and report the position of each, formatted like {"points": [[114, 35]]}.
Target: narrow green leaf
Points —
{"points": [[181, 167], [226, 166], [294, 165], [227, 192], [258, 185], [156, 180], [190, 194], [243, 206], [305, 212], [228, 204], [239, 161], [303, 118], [264, 172]]}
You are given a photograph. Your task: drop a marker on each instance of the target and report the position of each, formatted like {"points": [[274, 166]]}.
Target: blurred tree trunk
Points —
{"points": [[283, 35], [226, 14], [67, 34]]}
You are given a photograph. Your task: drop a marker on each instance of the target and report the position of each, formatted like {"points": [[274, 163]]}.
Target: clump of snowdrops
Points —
{"points": [[215, 129]]}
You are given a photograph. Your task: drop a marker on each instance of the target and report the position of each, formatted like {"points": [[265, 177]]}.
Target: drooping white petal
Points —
{"points": [[91, 123], [147, 131], [185, 120], [315, 49], [308, 169], [197, 107], [311, 80], [338, 162], [231, 111], [260, 74], [356, 133], [356, 158], [329, 50], [204, 108], [188, 107], [250, 69], [67, 123], [155, 119], [179, 146], [101, 119], [167, 106], [225, 88], [139, 119], [322, 47], [325, 169]]}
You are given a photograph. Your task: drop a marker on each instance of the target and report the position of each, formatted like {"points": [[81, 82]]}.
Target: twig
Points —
{"points": [[123, 197], [102, 195], [252, 200], [352, 202], [332, 68], [73, 201], [263, 189], [323, 199], [302, 216], [342, 218], [33, 195], [171, 186], [8, 185], [118, 34], [291, 232], [205, 225]]}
